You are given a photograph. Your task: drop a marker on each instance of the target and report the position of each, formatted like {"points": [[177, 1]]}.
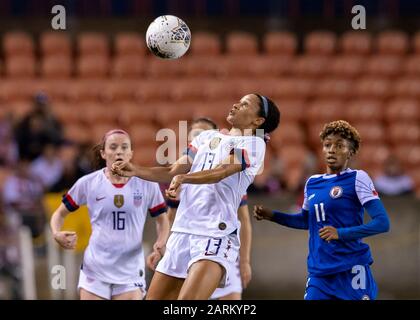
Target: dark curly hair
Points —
{"points": [[344, 130]]}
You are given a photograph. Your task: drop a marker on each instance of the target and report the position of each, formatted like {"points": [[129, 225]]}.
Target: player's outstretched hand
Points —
{"points": [[174, 188], [66, 239], [261, 213], [328, 233], [123, 169], [153, 259]]}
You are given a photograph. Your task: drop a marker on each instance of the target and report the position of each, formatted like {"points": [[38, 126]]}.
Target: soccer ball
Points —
{"points": [[168, 37]]}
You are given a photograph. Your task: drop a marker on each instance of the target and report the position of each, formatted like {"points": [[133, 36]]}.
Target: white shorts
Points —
{"points": [[233, 285], [107, 290], [183, 249]]}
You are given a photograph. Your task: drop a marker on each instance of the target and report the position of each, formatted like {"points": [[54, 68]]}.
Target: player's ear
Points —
{"points": [[102, 154], [259, 121]]}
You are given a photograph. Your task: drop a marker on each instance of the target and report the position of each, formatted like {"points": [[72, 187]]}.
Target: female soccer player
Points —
{"points": [[113, 263], [241, 271], [333, 209], [204, 240]]}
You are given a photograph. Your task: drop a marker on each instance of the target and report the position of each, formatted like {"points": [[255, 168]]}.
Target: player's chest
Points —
{"points": [[112, 198], [214, 151]]}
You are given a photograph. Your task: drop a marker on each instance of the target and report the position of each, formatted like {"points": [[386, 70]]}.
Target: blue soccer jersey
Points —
{"points": [[337, 200]]}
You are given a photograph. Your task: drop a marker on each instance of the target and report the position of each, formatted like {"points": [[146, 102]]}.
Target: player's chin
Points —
{"points": [[230, 119]]}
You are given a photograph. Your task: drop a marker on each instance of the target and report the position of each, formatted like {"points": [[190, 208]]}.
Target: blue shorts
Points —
{"points": [[354, 284]]}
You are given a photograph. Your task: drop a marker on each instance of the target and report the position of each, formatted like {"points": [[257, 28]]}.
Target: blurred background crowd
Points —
{"points": [[60, 91]]}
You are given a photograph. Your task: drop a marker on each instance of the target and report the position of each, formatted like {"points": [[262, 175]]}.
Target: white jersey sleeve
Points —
{"points": [[305, 205], [156, 204], [250, 154], [77, 195], [364, 187]]}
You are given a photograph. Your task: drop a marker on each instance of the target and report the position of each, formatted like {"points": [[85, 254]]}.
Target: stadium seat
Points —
{"points": [[333, 87], [16, 90], [215, 110], [169, 114], [202, 66], [18, 43], [97, 113], [67, 113], [411, 65], [132, 113], [290, 87], [288, 133], [392, 42], [372, 87], [20, 66], [383, 65], [355, 43], [129, 43], [409, 155], [56, 66], [364, 110], [320, 43], [187, 90], [78, 133], [84, 90], [348, 66], [145, 155], [309, 65], [241, 43], [119, 91], [98, 130], [160, 68], [402, 110], [404, 133], [416, 42], [221, 90], [53, 43], [92, 43], [143, 134], [325, 110], [371, 132], [372, 154], [128, 66], [279, 43], [92, 66], [205, 44], [153, 90], [408, 87], [292, 109]]}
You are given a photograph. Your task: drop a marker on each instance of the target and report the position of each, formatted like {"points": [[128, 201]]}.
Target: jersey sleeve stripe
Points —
{"points": [[172, 203], [69, 203], [155, 211], [244, 201], [241, 155], [191, 151]]}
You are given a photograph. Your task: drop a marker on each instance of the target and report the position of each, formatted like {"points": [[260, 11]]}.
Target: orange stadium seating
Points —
{"points": [[372, 80]]}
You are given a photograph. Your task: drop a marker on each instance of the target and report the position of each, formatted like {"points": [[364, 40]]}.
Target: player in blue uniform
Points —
{"points": [[334, 204]]}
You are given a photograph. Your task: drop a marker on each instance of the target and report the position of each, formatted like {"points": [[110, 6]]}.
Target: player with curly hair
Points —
{"points": [[334, 204]]}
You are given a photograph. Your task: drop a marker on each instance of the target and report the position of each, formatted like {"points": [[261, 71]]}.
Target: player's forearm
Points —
{"points": [[246, 240], [378, 224], [212, 175], [295, 220], [155, 174], [162, 229], [56, 222]]}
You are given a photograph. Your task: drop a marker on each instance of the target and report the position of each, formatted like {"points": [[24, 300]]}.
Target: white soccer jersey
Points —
{"points": [[211, 209], [117, 214]]}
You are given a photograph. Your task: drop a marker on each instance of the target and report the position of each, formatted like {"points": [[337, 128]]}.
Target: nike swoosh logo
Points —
{"points": [[99, 199], [311, 196]]}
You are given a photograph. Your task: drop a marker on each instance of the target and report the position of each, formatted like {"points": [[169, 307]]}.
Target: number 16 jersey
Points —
{"points": [[117, 215]]}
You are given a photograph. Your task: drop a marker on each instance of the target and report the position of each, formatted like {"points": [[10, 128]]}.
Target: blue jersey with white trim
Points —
{"points": [[337, 200]]}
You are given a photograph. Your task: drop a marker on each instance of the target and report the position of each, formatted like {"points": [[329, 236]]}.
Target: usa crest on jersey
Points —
{"points": [[118, 200]]}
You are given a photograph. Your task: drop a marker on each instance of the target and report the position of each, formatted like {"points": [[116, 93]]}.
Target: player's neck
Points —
{"points": [[336, 170]]}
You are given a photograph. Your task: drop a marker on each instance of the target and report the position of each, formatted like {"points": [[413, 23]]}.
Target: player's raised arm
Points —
{"points": [[245, 249], [156, 174]]}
